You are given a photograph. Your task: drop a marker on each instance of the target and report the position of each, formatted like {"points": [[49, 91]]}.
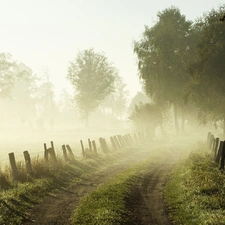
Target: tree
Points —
{"points": [[7, 74], [137, 99], [117, 100], [163, 55], [23, 93], [146, 117], [45, 97], [92, 77], [208, 69]]}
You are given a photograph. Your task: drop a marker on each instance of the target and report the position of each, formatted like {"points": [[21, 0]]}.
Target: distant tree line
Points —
{"points": [[182, 65], [29, 99]]}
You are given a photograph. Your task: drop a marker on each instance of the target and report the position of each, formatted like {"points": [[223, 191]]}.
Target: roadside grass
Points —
{"points": [[195, 192], [18, 197]]}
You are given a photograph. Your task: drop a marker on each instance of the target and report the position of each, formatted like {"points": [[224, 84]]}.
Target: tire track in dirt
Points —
{"points": [[57, 207], [146, 202]]}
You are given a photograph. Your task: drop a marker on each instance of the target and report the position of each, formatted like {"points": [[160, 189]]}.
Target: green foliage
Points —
{"points": [[207, 70], [7, 74], [117, 100], [163, 54], [17, 197], [93, 79], [195, 192], [106, 205], [146, 117]]}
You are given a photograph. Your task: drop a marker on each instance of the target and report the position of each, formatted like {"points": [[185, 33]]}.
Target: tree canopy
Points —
{"points": [[208, 69], [163, 54], [92, 77]]}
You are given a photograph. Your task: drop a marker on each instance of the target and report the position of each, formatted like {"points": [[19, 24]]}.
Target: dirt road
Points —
{"points": [[146, 202]]}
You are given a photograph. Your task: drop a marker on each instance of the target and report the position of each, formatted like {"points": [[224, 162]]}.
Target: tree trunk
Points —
{"points": [[183, 120], [224, 127], [176, 119]]}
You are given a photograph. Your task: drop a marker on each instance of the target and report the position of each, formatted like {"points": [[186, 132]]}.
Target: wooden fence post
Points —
{"points": [[219, 153], [82, 147], [211, 141], [106, 146], [124, 137], [215, 147], [45, 152], [121, 141], [222, 158], [70, 152], [64, 153], [53, 150], [103, 144], [89, 143], [117, 142], [113, 143], [94, 146], [28, 162], [13, 166]]}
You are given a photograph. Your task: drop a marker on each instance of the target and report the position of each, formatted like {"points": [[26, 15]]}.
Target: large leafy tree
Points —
{"points": [[23, 93], [92, 76], [163, 54], [208, 70], [17, 90]]}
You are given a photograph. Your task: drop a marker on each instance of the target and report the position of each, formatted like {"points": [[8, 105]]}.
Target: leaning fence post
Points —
{"points": [[117, 142], [222, 159], [94, 146], [70, 152], [103, 145], [219, 153], [89, 143], [113, 143], [53, 150], [28, 162], [13, 166], [215, 147], [45, 152], [82, 147], [52, 153], [64, 153]]}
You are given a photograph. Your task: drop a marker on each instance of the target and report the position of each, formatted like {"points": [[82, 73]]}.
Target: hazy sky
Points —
{"points": [[50, 32]]}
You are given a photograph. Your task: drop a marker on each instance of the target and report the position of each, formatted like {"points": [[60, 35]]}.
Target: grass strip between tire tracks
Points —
{"points": [[107, 204]]}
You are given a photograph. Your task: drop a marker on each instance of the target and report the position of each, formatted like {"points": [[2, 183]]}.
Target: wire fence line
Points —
{"points": [[87, 148]]}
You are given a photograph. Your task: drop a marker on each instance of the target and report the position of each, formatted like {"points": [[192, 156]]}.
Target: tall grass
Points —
{"points": [[195, 192], [17, 197]]}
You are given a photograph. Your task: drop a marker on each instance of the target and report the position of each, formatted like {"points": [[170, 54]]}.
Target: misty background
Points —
{"points": [[39, 42]]}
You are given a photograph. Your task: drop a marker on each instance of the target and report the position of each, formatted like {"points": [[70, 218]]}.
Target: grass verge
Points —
{"points": [[195, 192], [17, 198]]}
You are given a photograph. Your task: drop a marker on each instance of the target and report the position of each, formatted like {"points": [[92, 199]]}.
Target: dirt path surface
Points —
{"points": [[147, 198], [146, 201]]}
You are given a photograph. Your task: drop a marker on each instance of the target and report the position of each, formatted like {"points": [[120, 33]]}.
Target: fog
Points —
{"points": [[75, 70]]}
